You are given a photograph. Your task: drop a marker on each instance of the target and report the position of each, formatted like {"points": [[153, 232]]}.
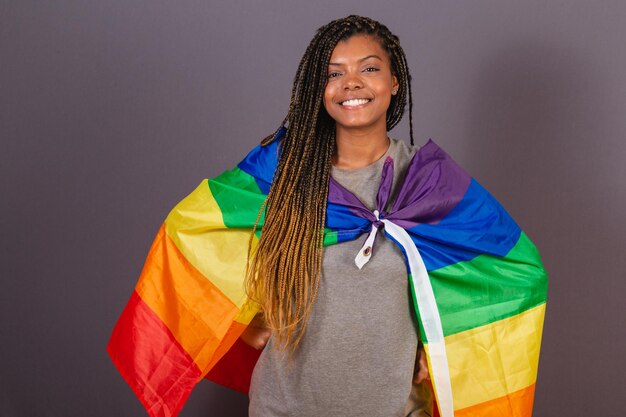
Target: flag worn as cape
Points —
{"points": [[478, 284]]}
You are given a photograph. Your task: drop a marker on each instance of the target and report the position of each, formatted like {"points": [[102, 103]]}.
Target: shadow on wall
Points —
{"points": [[539, 121]]}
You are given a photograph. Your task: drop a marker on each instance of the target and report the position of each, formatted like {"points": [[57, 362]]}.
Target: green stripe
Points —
{"points": [[330, 237], [499, 288], [239, 198]]}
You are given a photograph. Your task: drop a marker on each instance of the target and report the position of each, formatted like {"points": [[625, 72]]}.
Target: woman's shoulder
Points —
{"points": [[402, 150]]}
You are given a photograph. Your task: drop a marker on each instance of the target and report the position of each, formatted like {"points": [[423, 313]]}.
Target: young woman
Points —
{"points": [[351, 88], [337, 308]]}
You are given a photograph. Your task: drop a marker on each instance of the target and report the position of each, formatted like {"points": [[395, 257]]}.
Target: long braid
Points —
{"points": [[284, 269]]}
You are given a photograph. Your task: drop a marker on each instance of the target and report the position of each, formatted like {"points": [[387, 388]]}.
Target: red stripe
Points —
{"points": [[155, 366], [235, 368]]}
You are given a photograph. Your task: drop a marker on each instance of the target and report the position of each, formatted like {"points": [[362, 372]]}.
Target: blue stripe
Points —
{"points": [[477, 225], [261, 163]]}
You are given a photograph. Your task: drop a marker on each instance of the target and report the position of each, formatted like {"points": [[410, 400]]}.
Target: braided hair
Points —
{"points": [[284, 269]]}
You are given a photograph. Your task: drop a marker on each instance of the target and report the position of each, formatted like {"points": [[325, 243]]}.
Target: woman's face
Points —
{"points": [[360, 84]]}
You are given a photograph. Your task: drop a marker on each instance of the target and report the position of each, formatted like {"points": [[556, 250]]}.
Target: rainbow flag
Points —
{"points": [[479, 287]]}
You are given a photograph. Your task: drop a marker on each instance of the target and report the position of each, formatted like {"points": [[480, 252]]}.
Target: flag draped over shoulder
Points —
{"points": [[479, 287]]}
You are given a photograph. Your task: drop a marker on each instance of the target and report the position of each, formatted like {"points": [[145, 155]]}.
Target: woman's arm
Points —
{"points": [[256, 334], [420, 373]]}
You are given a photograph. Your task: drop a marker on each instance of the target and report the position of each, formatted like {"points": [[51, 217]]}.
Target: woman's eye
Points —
{"points": [[371, 69], [333, 74]]}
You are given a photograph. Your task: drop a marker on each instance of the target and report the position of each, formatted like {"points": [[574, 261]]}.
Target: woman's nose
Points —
{"points": [[352, 81]]}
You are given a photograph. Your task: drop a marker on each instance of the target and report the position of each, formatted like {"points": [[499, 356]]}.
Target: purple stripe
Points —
{"points": [[338, 194], [384, 190], [432, 186]]}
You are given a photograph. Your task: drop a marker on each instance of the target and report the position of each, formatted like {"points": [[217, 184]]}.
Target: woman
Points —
{"points": [[352, 87], [336, 315]]}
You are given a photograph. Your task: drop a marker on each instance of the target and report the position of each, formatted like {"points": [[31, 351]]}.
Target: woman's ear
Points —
{"points": [[394, 85]]}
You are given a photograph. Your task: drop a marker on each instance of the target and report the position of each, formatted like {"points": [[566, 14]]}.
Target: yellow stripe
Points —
{"points": [[494, 360], [197, 228], [247, 312]]}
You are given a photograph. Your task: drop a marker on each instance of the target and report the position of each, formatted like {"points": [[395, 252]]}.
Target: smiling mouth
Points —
{"points": [[355, 102]]}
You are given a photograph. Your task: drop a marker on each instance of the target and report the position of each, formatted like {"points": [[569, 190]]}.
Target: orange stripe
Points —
{"points": [[193, 309], [517, 404]]}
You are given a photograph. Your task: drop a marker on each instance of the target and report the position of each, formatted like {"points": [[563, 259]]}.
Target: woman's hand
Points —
{"points": [[256, 334], [420, 374]]}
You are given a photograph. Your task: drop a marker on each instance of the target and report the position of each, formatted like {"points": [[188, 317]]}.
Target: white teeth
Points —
{"points": [[355, 102]]}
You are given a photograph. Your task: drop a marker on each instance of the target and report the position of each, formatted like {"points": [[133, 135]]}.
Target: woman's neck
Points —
{"points": [[359, 148]]}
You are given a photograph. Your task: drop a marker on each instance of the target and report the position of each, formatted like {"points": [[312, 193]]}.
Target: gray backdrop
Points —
{"points": [[112, 111]]}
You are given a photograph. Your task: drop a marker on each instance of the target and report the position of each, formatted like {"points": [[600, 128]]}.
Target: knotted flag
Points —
{"points": [[478, 285]]}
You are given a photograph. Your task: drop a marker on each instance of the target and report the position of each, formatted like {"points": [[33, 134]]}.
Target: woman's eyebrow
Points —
{"points": [[360, 60]]}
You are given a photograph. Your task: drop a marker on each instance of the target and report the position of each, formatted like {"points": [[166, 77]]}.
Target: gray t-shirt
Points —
{"points": [[358, 353]]}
